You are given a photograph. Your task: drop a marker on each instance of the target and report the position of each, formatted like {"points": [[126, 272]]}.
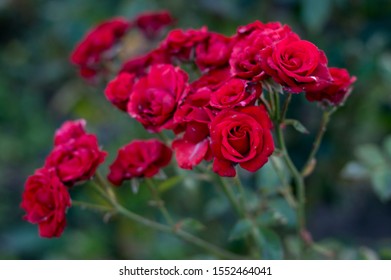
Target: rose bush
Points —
{"points": [[219, 104]]}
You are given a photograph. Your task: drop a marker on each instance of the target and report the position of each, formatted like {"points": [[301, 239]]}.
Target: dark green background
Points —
{"points": [[39, 89]]}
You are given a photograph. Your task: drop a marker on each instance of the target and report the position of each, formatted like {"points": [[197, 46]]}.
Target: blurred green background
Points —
{"points": [[348, 206]]}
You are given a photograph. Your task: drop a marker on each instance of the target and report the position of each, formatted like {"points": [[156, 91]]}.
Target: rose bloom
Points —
{"points": [[192, 144], [337, 91], [139, 66], [152, 23], [251, 39], [156, 96], [76, 160], [46, 200], [69, 130], [298, 65], [139, 158], [180, 43], [118, 90], [213, 52], [241, 136], [235, 92], [212, 80], [88, 53]]}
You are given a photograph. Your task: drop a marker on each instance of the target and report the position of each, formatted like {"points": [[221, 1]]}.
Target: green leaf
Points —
{"points": [[240, 230], [271, 245], [381, 180], [169, 183], [192, 224], [370, 155], [266, 219]]}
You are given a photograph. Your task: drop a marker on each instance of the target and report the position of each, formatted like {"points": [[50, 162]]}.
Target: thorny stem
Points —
{"points": [[309, 165], [116, 207], [159, 202]]}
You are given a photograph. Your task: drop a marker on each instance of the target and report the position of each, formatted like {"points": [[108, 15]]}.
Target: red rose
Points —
{"points": [[140, 158], [241, 136], [212, 80], [337, 91], [152, 23], [156, 96], [180, 43], [69, 130], [45, 200], [251, 39], [77, 159], [214, 51], [118, 90], [88, 53], [298, 65], [235, 92], [140, 65], [192, 145]]}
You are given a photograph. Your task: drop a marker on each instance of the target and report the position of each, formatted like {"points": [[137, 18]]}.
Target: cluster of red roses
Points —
{"points": [[217, 117], [74, 158]]}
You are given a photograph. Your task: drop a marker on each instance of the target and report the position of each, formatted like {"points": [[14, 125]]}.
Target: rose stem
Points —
{"points": [[322, 129], [110, 197], [299, 181], [230, 195], [255, 251], [285, 107], [242, 214], [159, 201], [286, 192], [91, 206]]}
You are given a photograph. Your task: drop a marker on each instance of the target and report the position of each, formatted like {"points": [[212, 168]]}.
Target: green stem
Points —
{"points": [[285, 107], [230, 195], [298, 179], [179, 233], [242, 193], [286, 191], [109, 195], [107, 188], [267, 105], [91, 206], [159, 201], [255, 238], [309, 165]]}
